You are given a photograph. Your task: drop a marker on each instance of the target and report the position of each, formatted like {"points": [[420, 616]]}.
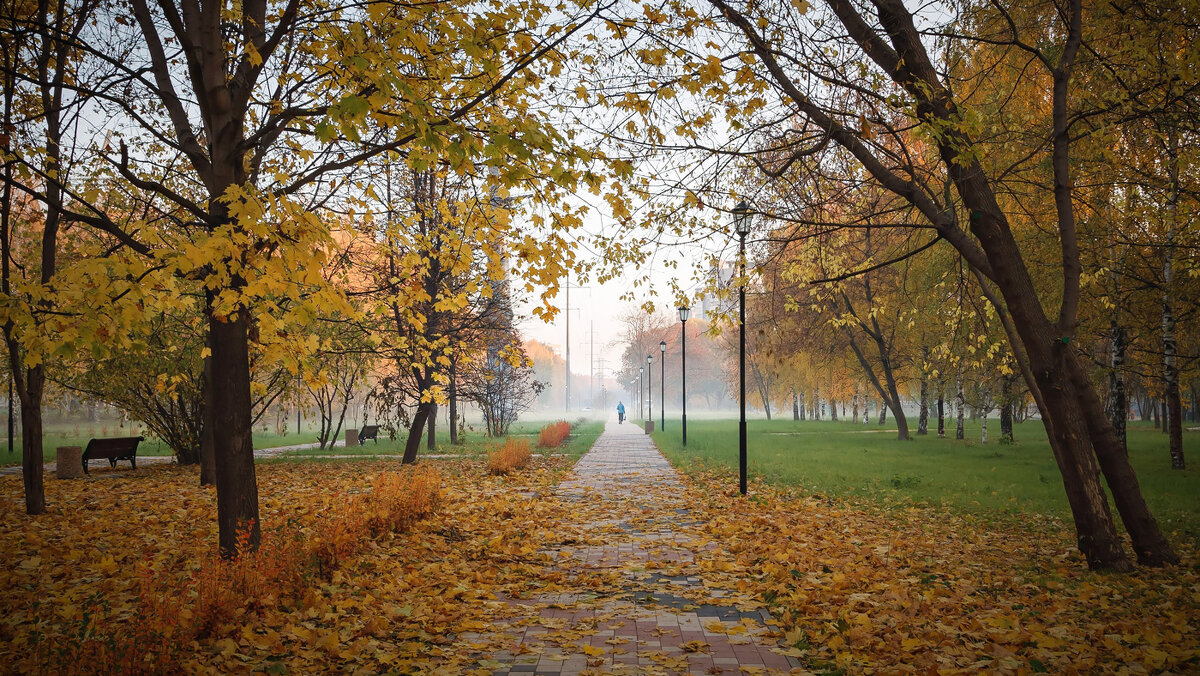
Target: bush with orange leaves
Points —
{"points": [[171, 612], [554, 434], [513, 455]]}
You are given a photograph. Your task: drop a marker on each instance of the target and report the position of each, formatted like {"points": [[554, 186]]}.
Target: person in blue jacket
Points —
{"points": [[620, 413]]}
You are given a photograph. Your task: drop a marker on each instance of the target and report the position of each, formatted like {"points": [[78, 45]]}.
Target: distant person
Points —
{"points": [[620, 413]]}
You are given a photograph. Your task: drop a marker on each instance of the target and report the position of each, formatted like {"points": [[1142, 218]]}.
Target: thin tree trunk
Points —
{"points": [[795, 406], [923, 415], [454, 440], [941, 415], [883, 409], [1006, 410], [960, 403], [1173, 417], [1118, 403]]}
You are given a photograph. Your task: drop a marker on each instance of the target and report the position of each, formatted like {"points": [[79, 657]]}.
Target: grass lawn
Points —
{"points": [[78, 434], [474, 442], [583, 434], [851, 460]]}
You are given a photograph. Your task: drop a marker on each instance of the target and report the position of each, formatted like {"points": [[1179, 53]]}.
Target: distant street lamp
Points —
{"points": [[649, 388], [662, 383], [741, 224], [684, 313]]}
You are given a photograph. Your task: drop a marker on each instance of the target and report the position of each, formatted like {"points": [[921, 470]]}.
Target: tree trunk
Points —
{"points": [[833, 412], [454, 440], [1173, 420], [1162, 408], [413, 444], [1006, 411], [883, 409], [816, 405], [941, 412], [960, 403], [923, 415], [237, 488], [208, 453], [31, 440], [1118, 403], [854, 406], [803, 408], [795, 406]]}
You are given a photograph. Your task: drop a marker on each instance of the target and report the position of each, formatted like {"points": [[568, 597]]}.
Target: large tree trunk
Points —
{"points": [[237, 488], [31, 440]]}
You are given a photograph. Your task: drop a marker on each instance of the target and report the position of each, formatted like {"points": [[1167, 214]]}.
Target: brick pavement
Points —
{"points": [[639, 604]]}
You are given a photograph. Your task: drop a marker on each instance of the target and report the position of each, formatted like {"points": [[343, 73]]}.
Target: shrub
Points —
{"points": [[218, 591], [554, 434], [513, 455]]}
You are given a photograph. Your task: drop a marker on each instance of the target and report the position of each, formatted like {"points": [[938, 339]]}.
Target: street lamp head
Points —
{"points": [[684, 313], [649, 359], [662, 346], [641, 369], [741, 218]]}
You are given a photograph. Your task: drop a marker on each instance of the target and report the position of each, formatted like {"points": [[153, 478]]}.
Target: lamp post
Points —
{"points": [[662, 383], [741, 224], [649, 389], [684, 313]]}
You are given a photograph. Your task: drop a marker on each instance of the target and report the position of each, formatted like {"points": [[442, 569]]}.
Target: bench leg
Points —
{"points": [[133, 461], [85, 463], [112, 462]]}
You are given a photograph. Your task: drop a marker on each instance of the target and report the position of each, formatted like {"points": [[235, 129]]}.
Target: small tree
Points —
{"points": [[501, 384]]}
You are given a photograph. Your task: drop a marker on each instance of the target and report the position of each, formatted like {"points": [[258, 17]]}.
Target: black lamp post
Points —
{"points": [[684, 313], [741, 224], [649, 388], [662, 383]]}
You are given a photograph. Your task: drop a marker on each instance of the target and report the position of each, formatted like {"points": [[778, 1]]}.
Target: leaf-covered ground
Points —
{"points": [[851, 588]]}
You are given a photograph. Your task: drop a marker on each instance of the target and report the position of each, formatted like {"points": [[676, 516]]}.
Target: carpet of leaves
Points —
{"points": [[857, 589]]}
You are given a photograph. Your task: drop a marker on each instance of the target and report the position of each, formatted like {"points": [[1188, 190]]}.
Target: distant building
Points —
{"points": [[722, 277]]}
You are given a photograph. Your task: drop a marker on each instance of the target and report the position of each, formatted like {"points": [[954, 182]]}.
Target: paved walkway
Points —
{"points": [[643, 604]]}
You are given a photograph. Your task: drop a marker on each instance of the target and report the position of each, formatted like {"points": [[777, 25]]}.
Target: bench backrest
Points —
{"points": [[116, 447], [368, 431]]}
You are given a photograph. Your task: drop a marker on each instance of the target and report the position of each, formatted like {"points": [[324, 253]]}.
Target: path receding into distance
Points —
{"points": [[637, 600]]}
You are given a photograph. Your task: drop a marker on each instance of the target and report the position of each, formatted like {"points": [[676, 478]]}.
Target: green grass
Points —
{"points": [[474, 442], [583, 434], [78, 434], [849, 460]]}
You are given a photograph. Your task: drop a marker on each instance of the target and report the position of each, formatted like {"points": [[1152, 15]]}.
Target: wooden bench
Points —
{"points": [[118, 448], [368, 432]]}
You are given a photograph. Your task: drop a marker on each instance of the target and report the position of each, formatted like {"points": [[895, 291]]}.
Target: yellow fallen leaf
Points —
{"points": [[592, 651]]}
